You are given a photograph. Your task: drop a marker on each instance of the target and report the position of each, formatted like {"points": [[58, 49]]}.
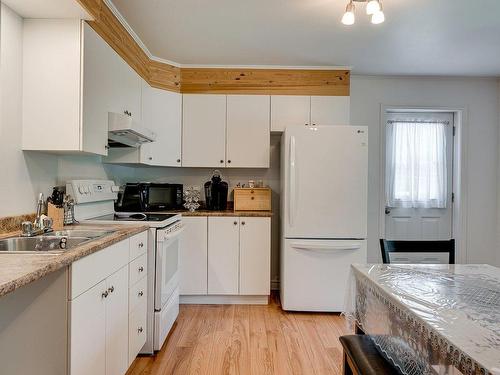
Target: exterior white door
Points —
{"points": [[223, 255], [325, 177], [193, 257], [422, 223], [203, 130], [248, 133], [255, 255], [117, 323]]}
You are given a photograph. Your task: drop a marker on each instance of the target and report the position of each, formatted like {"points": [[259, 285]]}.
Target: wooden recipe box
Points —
{"points": [[252, 199]]}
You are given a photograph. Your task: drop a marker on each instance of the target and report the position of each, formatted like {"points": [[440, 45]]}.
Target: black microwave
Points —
{"points": [[143, 197]]}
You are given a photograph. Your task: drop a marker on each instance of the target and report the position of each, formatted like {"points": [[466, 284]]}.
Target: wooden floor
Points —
{"points": [[243, 339]]}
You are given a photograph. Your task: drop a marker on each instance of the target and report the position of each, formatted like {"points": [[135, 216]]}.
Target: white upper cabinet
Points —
{"points": [[289, 110], [330, 110], [248, 133], [204, 130], [162, 113], [71, 79]]}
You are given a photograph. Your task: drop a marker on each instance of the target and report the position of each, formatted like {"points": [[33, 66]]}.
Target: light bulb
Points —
{"points": [[378, 17], [348, 18], [372, 7]]}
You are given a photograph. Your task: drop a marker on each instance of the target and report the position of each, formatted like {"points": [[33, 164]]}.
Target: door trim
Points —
{"points": [[459, 213]]}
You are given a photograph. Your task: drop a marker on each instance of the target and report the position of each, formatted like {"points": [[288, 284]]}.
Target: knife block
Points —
{"points": [[57, 216]]}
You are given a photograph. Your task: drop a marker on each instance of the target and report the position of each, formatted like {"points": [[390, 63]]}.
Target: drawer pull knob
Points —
{"points": [[252, 198], [141, 268], [141, 245], [242, 223], [141, 293], [140, 330], [104, 294], [111, 289]]}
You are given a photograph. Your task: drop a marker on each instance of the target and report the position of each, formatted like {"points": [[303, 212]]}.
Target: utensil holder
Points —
{"points": [[57, 216]]}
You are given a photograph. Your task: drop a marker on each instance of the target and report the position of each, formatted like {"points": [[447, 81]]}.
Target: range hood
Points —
{"points": [[123, 131]]}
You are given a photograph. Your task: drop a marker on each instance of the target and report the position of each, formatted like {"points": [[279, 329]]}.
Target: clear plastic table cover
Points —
{"points": [[430, 319]]}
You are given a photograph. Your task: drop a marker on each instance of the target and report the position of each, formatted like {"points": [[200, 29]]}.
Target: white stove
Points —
{"points": [[94, 204]]}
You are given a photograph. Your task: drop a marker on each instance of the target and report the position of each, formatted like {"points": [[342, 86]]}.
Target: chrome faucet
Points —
{"points": [[42, 223]]}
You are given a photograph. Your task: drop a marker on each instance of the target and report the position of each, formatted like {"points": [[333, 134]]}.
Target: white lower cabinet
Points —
{"points": [[103, 311], [193, 256], [117, 323], [225, 256], [255, 257], [88, 332]]}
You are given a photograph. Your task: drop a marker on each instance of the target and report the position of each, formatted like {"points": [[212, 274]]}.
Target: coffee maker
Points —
{"points": [[216, 192]]}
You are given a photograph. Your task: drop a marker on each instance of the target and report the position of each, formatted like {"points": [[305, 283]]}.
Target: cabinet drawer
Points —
{"points": [[138, 245], [88, 271], [138, 269], [136, 331], [138, 293], [257, 199]]}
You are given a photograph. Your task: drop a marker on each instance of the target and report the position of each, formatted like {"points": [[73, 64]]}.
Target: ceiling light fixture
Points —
{"points": [[373, 9]]}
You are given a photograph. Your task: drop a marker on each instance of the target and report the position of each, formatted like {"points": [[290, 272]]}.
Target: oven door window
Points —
{"points": [[167, 265]]}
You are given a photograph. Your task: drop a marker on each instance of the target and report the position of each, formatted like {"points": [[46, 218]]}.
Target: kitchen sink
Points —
{"points": [[40, 244], [50, 243], [72, 233]]}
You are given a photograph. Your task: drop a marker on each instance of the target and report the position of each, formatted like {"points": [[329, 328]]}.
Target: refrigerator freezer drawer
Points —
{"points": [[315, 273]]}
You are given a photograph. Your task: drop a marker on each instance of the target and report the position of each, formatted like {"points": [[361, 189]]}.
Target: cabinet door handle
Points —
{"points": [[141, 244], [141, 268], [141, 293], [139, 329], [242, 223], [235, 223], [111, 289], [104, 294], [229, 161], [178, 160], [222, 161], [150, 158]]}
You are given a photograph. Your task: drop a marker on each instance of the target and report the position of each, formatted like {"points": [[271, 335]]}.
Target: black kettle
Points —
{"points": [[216, 192]]}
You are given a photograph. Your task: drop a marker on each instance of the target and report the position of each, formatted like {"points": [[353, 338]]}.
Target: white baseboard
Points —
{"points": [[224, 300]]}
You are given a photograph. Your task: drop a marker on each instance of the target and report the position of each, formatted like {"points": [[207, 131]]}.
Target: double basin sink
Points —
{"points": [[50, 243]]}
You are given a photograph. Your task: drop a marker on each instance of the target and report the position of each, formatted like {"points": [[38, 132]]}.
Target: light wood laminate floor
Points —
{"points": [[253, 340]]}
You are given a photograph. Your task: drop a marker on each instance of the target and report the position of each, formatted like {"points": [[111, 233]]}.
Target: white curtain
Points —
{"points": [[416, 164]]}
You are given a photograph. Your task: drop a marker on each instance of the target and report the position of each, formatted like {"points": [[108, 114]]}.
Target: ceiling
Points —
{"points": [[425, 37]]}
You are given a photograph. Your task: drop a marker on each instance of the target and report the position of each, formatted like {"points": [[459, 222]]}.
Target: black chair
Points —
{"points": [[361, 357], [389, 246]]}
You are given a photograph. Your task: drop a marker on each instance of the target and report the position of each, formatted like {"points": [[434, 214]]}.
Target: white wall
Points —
{"points": [[480, 97], [22, 175]]}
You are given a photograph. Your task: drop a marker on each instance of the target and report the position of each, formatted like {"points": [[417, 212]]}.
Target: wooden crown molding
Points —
{"points": [[212, 80]]}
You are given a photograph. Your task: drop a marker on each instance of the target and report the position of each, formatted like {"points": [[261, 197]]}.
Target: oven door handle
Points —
{"points": [[172, 235]]}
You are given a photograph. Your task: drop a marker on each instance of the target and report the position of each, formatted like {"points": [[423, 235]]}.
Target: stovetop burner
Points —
{"points": [[135, 216]]}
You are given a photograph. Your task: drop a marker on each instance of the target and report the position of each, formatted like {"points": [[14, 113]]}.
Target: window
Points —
{"points": [[416, 164]]}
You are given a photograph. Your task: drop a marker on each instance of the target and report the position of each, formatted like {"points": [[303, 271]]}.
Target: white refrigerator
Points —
{"points": [[324, 172]]}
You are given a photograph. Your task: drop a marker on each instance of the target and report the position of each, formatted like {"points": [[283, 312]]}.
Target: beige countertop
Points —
{"points": [[18, 269], [223, 213]]}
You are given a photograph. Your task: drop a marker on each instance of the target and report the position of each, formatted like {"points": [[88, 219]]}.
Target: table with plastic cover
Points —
{"points": [[429, 319]]}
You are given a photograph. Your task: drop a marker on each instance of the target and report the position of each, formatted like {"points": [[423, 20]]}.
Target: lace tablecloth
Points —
{"points": [[430, 319]]}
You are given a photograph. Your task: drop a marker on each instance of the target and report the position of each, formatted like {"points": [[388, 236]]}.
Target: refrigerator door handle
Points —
{"points": [[325, 247], [292, 179]]}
